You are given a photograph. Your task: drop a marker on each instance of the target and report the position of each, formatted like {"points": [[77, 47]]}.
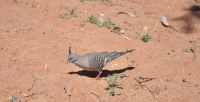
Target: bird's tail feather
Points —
{"points": [[117, 54], [129, 51]]}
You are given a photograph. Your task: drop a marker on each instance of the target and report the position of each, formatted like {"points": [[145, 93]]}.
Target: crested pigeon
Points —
{"points": [[94, 61]]}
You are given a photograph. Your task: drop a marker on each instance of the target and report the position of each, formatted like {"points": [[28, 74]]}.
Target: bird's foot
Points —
{"points": [[98, 76]]}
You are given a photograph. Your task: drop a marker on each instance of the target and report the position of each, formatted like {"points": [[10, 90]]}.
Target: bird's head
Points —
{"points": [[71, 57]]}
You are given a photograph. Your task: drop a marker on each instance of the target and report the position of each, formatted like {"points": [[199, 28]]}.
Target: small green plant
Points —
{"points": [[92, 20], [110, 25], [13, 99], [105, 23], [146, 37], [111, 80], [71, 13]]}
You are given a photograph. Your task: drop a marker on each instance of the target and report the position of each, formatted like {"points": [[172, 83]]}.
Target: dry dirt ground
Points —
{"points": [[34, 43]]}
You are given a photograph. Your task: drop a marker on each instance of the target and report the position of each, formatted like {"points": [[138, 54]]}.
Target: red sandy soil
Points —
{"points": [[34, 43]]}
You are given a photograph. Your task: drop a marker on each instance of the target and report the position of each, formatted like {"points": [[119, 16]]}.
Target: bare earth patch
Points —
{"points": [[35, 37]]}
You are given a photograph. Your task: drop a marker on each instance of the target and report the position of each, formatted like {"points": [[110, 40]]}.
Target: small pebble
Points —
{"points": [[122, 31], [145, 28], [184, 80], [68, 90]]}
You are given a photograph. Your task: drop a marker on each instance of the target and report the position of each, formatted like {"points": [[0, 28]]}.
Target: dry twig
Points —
{"points": [[30, 95], [194, 50], [100, 99], [33, 82], [45, 67], [141, 3], [142, 80], [147, 13], [95, 95]]}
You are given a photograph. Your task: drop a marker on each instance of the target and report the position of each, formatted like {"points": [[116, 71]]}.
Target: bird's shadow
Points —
{"points": [[105, 73]]}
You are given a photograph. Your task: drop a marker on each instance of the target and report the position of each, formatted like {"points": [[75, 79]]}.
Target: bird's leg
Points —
{"points": [[97, 77]]}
